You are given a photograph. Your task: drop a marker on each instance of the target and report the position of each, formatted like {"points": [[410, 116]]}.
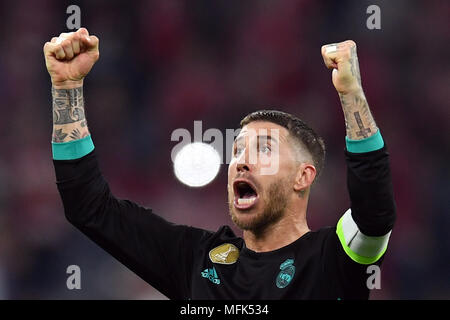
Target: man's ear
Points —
{"points": [[306, 173]]}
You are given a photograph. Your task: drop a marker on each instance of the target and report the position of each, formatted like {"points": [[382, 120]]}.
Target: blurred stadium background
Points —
{"points": [[164, 64]]}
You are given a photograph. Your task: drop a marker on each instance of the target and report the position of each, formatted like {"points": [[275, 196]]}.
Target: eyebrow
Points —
{"points": [[260, 137]]}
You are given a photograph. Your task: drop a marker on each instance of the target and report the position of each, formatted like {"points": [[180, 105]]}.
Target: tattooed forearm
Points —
{"points": [[346, 116], [354, 65], [68, 105], [68, 115], [58, 135], [359, 122], [363, 132], [76, 134]]}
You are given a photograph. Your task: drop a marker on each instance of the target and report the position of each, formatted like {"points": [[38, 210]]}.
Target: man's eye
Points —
{"points": [[238, 150], [264, 148]]}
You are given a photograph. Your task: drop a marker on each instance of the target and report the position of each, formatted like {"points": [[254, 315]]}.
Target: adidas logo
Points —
{"points": [[211, 274]]}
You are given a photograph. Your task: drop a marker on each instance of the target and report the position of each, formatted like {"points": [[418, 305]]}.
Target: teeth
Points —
{"points": [[246, 200]]}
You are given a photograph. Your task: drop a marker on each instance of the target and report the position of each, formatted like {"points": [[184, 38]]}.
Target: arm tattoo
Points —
{"points": [[341, 97], [68, 115], [359, 122], [68, 105], [58, 135], [76, 134], [363, 131], [354, 64]]}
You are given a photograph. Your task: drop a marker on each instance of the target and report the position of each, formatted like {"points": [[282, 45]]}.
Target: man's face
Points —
{"points": [[260, 175]]}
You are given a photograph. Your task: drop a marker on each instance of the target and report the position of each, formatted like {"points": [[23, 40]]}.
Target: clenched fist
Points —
{"points": [[70, 57], [342, 58]]}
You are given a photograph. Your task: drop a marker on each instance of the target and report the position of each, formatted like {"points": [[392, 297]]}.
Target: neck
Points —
{"points": [[289, 228]]}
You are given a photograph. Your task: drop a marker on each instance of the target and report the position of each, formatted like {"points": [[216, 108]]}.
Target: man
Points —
{"points": [[279, 257]]}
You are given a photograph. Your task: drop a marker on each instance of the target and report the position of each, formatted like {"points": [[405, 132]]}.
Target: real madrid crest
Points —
{"points": [[286, 274], [226, 253]]}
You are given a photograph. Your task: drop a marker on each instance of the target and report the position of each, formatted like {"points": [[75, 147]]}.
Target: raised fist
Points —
{"points": [[70, 57], [342, 58]]}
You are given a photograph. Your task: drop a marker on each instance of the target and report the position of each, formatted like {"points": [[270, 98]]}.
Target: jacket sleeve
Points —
{"points": [[370, 188], [365, 228], [354, 253], [158, 251]]}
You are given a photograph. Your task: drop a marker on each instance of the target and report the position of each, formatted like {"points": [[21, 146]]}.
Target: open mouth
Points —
{"points": [[245, 194]]}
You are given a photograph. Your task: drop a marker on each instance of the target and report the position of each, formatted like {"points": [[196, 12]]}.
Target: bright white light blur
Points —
{"points": [[197, 164]]}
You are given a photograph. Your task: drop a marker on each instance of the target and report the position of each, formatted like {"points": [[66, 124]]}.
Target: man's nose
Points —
{"points": [[242, 167], [243, 163]]}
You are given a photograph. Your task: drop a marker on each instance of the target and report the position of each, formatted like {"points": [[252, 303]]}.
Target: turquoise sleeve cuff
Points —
{"points": [[73, 149], [371, 143]]}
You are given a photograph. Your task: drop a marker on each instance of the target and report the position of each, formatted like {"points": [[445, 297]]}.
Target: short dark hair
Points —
{"points": [[297, 128]]}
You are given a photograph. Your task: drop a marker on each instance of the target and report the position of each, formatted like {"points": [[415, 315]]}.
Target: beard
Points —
{"points": [[274, 202]]}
